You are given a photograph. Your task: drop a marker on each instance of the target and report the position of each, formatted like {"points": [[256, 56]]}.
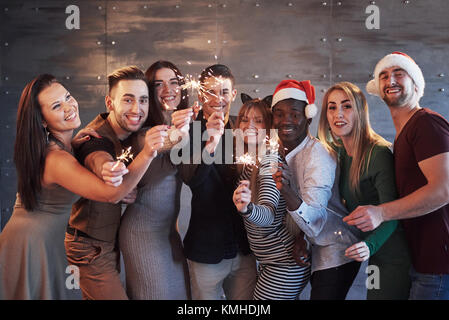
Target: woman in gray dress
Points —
{"points": [[151, 245], [33, 263]]}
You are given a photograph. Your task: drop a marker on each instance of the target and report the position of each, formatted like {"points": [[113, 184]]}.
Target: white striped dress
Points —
{"points": [[280, 278]]}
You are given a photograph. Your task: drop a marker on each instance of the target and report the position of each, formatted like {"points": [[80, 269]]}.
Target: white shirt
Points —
{"points": [[315, 171]]}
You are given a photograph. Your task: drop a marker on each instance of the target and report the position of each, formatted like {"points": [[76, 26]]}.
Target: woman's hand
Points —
{"points": [[300, 252], [242, 196], [130, 197], [181, 118], [358, 252], [82, 136]]}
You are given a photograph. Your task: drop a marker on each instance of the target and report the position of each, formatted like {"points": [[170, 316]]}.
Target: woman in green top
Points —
{"points": [[367, 177]]}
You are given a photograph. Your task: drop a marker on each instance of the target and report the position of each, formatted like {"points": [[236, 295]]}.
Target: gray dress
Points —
{"points": [[155, 265], [32, 255]]}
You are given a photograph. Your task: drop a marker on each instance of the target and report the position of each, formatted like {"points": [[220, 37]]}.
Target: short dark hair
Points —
{"points": [[125, 73], [217, 70]]}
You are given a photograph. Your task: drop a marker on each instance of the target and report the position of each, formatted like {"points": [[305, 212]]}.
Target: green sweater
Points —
{"points": [[377, 185]]}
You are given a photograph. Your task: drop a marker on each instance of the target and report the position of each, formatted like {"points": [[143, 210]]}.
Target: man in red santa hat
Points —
{"points": [[421, 155]]}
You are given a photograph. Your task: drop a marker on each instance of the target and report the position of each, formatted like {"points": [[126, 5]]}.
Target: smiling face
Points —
{"points": [[217, 96], [128, 106], [340, 114], [252, 124], [167, 88], [396, 87], [59, 109], [290, 120]]}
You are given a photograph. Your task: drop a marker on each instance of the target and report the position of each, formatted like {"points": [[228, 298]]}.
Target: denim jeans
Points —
{"points": [[429, 286], [236, 278]]}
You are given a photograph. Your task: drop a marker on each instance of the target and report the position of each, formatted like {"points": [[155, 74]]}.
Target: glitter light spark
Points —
{"points": [[247, 159], [192, 84], [126, 156], [273, 144]]}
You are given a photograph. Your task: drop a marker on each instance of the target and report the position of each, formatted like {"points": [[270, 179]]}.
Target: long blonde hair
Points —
{"points": [[363, 136]]}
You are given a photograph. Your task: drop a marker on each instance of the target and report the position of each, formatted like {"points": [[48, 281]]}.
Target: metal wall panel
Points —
{"points": [[263, 41]]}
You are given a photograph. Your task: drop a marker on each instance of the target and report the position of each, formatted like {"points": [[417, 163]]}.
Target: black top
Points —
{"points": [[93, 145], [216, 230]]}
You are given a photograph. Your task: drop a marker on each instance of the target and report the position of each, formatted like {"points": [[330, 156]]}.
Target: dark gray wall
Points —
{"points": [[263, 42]]}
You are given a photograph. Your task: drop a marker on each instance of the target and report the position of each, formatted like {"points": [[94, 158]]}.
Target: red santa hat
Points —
{"points": [[299, 90], [403, 61]]}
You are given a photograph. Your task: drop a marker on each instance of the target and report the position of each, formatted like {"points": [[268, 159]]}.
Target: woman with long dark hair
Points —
{"points": [[150, 242], [165, 82], [33, 263]]}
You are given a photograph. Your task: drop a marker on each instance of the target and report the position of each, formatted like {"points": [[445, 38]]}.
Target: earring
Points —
{"points": [[47, 133]]}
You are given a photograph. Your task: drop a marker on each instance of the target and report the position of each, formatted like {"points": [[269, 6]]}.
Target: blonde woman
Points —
{"points": [[367, 177]]}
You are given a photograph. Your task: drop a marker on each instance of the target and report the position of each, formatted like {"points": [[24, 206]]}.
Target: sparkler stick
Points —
{"points": [[126, 156]]}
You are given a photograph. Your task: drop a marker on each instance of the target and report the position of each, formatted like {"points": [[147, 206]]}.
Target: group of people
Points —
{"points": [[312, 209]]}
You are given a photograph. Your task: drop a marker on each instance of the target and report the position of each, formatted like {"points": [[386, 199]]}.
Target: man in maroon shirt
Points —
{"points": [[421, 152]]}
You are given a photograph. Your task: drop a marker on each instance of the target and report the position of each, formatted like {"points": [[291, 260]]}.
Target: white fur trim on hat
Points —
{"points": [[311, 111], [402, 61], [289, 93]]}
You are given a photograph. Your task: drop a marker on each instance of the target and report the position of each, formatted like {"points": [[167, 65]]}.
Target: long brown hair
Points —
{"points": [[31, 142], [260, 105], [363, 135], [155, 116]]}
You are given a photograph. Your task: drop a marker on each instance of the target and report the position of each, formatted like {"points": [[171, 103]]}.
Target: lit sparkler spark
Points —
{"points": [[166, 106], [247, 159], [192, 84], [337, 233], [273, 144], [126, 156]]}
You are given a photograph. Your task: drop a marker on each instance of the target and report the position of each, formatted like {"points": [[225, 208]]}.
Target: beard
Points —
{"points": [[398, 101]]}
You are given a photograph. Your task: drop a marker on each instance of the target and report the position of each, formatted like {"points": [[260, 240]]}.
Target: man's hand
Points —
{"points": [[154, 140], [196, 109], [300, 252], [242, 196], [283, 178], [366, 218], [358, 252], [215, 129], [130, 197], [112, 172]]}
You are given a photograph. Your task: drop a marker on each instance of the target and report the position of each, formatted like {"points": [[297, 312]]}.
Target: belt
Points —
{"points": [[75, 232]]}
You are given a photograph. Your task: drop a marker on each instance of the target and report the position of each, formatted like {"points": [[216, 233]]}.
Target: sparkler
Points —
{"points": [[247, 159], [337, 233], [192, 84], [126, 156], [273, 144]]}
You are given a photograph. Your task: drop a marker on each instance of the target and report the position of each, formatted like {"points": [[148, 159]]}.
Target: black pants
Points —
{"points": [[333, 283]]}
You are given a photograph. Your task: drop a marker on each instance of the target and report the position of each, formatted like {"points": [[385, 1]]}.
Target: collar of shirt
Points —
{"points": [[298, 148]]}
